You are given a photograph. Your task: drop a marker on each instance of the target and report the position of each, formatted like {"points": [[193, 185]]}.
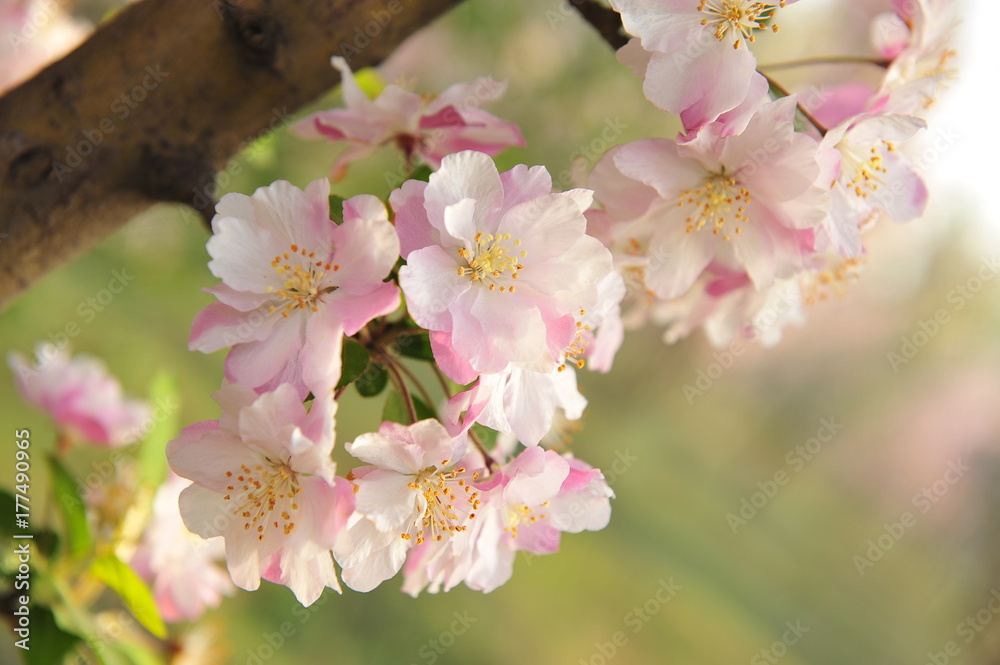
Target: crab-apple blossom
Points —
{"points": [[872, 177], [181, 568], [524, 400], [498, 267], [424, 127], [417, 488], [747, 201], [698, 63], [527, 505], [84, 400], [294, 283], [264, 481]]}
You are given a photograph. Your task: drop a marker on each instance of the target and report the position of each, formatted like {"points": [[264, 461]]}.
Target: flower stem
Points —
{"points": [[777, 87], [400, 382]]}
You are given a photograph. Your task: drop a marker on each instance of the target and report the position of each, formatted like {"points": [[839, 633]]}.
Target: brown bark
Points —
{"points": [[157, 101]]}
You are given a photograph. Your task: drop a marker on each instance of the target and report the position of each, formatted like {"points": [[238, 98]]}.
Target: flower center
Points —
{"points": [[834, 279], [264, 494], [522, 513], [450, 502], [303, 274], [739, 19], [861, 172], [720, 200], [491, 259]]}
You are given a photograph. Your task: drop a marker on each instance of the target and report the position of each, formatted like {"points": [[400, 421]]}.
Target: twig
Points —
{"points": [[808, 116]]}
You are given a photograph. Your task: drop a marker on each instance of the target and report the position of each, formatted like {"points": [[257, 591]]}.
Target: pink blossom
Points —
{"points": [[535, 498], [180, 566], [424, 127], [919, 43], [699, 64], [294, 283], [85, 401], [264, 481], [873, 177], [416, 490], [498, 266], [728, 308], [747, 202], [524, 400]]}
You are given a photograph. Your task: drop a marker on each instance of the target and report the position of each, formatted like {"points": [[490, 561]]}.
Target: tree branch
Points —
{"points": [[157, 101], [604, 19]]}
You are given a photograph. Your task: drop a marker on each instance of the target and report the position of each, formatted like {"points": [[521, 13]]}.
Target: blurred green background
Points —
{"points": [[785, 585]]}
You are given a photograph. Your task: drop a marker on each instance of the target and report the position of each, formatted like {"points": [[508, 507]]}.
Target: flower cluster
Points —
{"points": [[509, 287], [506, 290], [760, 204]]}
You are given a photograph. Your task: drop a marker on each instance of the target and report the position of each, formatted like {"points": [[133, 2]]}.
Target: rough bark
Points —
{"points": [[157, 101]]}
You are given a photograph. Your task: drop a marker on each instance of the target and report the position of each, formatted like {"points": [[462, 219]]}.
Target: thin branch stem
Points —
{"points": [[400, 382], [828, 60], [490, 462], [416, 382], [805, 113], [442, 379]]}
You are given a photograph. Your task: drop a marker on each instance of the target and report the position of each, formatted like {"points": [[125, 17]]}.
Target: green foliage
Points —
{"points": [[354, 362], [337, 208], [49, 643], [67, 494], [417, 346], [395, 409], [132, 590], [373, 381], [152, 458]]}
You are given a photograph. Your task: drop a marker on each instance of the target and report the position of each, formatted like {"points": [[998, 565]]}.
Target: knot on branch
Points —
{"points": [[30, 168], [257, 35]]}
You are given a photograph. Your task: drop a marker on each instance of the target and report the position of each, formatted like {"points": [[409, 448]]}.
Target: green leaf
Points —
{"points": [[423, 411], [416, 346], [152, 457], [132, 590], [421, 173], [353, 362], [373, 381], [337, 208], [74, 515], [395, 409], [49, 643], [486, 435]]}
